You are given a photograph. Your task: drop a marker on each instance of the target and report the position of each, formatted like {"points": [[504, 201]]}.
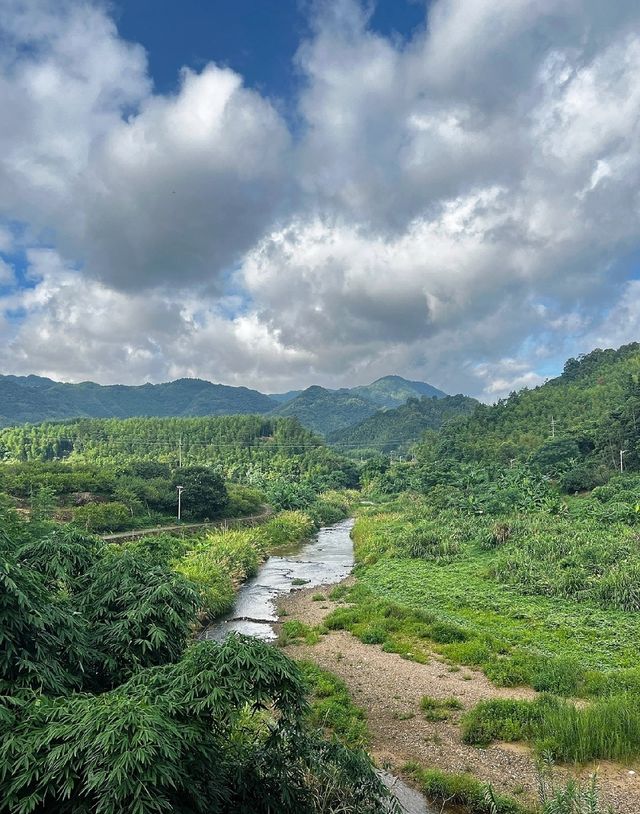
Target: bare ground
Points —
{"points": [[389, 689]]}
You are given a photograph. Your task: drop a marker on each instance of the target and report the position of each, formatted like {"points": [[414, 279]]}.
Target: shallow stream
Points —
{"points": [[325, 560]]}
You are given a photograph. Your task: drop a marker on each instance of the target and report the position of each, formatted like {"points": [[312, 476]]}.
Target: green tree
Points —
{"points": [[205, 494]]}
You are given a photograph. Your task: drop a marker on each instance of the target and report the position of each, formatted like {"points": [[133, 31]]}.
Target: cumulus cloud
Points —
{"points": [[461, 206]]}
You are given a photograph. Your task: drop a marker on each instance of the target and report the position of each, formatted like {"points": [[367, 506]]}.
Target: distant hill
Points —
{"points": [[324, 411], [392, 391], [327, 411], [283, 398], [34, 398], [397, 429]]}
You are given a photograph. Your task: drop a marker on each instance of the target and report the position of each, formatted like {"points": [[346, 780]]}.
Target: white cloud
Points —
{"points": [[451, 207]]}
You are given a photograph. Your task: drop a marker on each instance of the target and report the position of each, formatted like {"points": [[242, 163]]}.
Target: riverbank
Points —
{"points": [[390, 689]]}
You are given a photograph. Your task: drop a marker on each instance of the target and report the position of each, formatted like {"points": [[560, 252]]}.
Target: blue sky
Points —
{"points": [[281, 193], [256, 38]]}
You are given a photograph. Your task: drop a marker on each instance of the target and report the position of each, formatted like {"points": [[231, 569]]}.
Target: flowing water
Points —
{"points": [[325, 560]]}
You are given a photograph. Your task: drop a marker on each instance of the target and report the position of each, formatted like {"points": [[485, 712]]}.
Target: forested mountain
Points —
{"points": [[34, 399], [283, 398], [396, 430], [392, 391], [327, 411], [577, 422], [324, 411]]}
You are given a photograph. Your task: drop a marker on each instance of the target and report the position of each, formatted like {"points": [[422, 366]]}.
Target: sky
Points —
{"points": [[279, 193]]}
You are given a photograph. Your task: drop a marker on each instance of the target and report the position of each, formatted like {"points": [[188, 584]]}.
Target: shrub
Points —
{"points": [[287, 527], [102, 517]]}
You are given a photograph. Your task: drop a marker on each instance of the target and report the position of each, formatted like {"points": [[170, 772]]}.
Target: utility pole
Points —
{"points": [[180, 490], [553, 427], [180, 452], [622, 453]]}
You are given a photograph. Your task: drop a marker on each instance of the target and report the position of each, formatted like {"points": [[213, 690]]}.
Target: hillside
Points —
{"points": [[396, 430], [589, 413], [328, 411], [34, 399], [392, 391], [325, 411]]}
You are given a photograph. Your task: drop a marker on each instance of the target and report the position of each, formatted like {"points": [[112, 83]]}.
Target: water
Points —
{"points": [[324, 560]]}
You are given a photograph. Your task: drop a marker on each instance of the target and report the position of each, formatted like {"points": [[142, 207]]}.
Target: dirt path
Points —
{"points": [[187, 528], [389, 688]]}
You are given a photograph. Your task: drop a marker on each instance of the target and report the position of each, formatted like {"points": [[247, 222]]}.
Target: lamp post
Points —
{"points": [[180, 490], [622, 453]]}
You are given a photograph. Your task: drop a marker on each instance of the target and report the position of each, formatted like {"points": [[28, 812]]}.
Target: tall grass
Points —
{"points": [[608, 729]]}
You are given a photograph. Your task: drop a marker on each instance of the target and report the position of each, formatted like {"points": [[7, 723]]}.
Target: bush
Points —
{"points": [[287, 528], [102, 517]]}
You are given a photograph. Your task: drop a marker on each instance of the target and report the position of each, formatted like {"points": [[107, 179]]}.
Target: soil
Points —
{"points": [[389, 689]]}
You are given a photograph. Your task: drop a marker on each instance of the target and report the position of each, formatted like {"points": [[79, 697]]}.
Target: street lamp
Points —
{"points": [[180, 490]]}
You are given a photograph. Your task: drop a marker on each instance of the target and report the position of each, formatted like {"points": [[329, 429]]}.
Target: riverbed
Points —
{"points": [[322, 561], [326, 559]]}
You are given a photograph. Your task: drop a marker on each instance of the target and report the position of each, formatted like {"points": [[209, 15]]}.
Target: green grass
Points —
{"points": [[439, 709], [463, 791], [608, 729], [331, 707], [295, 632]]}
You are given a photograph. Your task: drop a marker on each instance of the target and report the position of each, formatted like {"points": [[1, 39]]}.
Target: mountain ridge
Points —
{"points": [[33, 399]]}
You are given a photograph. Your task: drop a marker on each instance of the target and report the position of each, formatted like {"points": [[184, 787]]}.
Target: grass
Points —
{"points": [[457, 608], [608, 729], [439, 709], [218, 561], [470, 796], [331, 707], [463, 791], [295, 632]]}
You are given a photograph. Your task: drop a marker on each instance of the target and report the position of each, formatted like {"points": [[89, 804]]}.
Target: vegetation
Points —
{"points": [[34, 399], [396, 430], [107, 706]]}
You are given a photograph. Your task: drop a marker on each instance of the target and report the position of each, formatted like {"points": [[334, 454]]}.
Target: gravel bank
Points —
{"points": [[389, 688]]}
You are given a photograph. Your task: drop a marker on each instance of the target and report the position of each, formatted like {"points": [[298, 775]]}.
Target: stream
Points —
{"points": [[324, 560]]}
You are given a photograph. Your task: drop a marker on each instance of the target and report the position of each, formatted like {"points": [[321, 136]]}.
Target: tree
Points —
{"points": [[205, 494]]}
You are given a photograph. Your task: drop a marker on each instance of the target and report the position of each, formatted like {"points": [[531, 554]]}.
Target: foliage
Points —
{"points": [[396, 429], [35, 398], [106, 708], [204, 496], [102, 517]]}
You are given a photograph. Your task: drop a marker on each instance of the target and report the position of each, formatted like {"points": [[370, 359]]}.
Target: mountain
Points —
{"points": [[35, 398], [324, 411], [395, 430], [283, 398], [392, 391], [327, 411], [31, 399]]}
